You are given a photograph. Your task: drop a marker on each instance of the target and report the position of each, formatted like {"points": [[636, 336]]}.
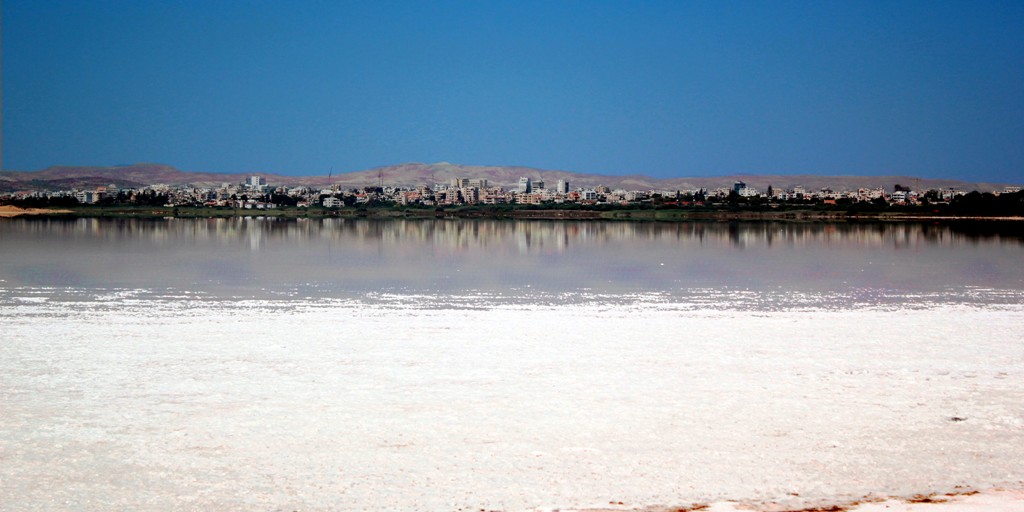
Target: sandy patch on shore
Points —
{"points": [[1003, 500], [13, 211]]}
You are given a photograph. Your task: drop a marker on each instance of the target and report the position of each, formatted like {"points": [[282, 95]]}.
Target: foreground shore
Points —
{"points": [[114, 402], [991, 500]]}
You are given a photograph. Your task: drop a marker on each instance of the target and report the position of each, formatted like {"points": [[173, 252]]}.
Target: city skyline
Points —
{"points": [[664, 89]]}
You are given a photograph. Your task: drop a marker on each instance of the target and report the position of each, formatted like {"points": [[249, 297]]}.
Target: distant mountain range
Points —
{"points": [[414, 174]]}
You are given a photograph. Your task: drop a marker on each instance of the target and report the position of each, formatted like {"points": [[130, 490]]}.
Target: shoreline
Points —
{"points": [[7, 211], [14, 211], [995, 499]]}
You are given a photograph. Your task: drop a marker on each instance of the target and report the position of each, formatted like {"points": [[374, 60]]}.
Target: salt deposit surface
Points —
{"points": [[129, 402]]}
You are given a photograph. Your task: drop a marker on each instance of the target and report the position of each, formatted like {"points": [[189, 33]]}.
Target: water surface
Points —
{"points": [[483, 262]]}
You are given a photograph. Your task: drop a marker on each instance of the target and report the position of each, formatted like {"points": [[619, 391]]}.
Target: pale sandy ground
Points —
{"points": [[124, 403], [13, 211], [1005, 500], [999, 499]]}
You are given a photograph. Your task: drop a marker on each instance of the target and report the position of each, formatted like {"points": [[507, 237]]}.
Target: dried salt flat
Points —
{"points": [[998, 499], [186, 404]]}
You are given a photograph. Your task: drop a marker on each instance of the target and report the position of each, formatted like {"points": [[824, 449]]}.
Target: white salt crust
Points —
{"points": [[306, 405]]}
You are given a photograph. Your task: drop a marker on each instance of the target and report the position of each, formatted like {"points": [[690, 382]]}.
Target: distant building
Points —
{"points": [[949, 193], [333, 202], [529, 198], [562, 187], [868, 194], [739, 187], [470, 195], [525, 185], [493, 197], [256, 182]]}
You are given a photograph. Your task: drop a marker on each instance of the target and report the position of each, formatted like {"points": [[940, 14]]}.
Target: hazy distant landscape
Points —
{"points": [[414, 174]]}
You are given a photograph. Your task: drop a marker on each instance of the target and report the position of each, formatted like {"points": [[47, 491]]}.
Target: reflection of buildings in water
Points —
{"points": [[908, 236], [514, 236], [534, 237], [255, 237], [734, 234]]}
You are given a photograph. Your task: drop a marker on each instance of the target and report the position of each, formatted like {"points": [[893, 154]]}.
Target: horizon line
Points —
{"points": [[536, 169]]}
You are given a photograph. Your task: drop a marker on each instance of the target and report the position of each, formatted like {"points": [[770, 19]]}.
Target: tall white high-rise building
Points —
{"points": [[525, 185], [256, 181], [562, 187]]}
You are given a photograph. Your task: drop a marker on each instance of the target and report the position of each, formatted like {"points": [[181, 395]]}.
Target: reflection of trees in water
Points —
{"points": [[734, 234], [976, 232], [451, 254], [522, 236]]}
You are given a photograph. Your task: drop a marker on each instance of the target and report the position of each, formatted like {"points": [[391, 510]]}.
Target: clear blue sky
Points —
{"points": [[666, 89]]}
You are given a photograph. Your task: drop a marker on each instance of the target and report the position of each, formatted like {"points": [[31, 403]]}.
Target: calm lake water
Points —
{"points": [[251, 364], [479, 262]]}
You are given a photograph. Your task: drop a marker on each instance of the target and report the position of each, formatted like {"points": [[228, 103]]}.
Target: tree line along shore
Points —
{"points": [[477, 198], [969, 207]]}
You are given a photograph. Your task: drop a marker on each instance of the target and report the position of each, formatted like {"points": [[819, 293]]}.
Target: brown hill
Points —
{"points": [[414, 174], [144, 173]]}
